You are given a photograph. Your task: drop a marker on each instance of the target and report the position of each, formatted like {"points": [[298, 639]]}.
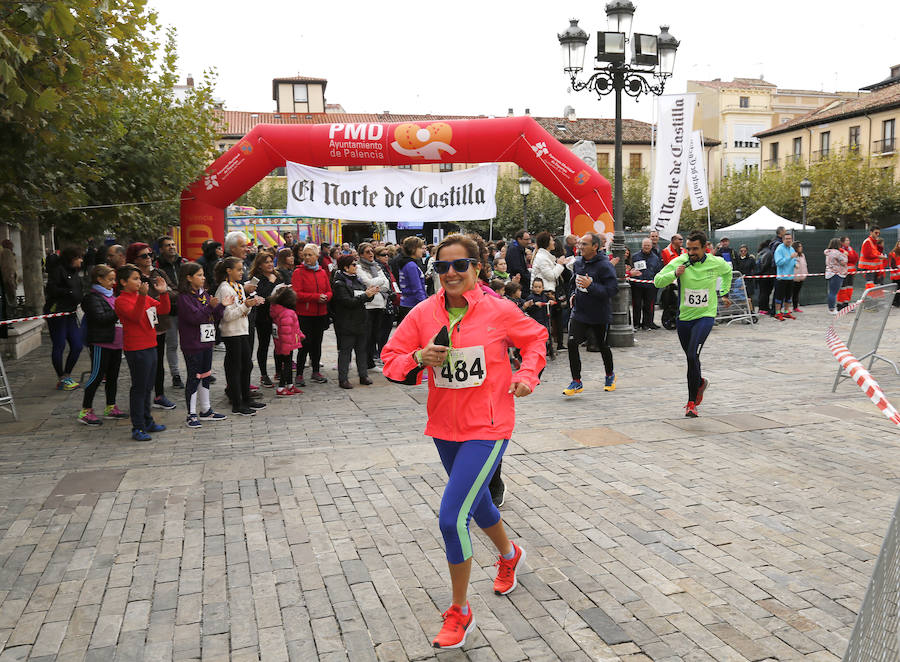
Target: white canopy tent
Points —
{"points": [[763, 219]]}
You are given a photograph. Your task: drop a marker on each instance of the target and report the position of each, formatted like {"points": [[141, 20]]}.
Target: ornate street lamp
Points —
{"points": [[652, 63], [525, 189], [739, 214], [805, 190]]}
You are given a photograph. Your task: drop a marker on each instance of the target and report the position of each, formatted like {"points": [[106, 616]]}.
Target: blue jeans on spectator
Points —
{"points": [[63, 330], [142, 365], [834, 284]]}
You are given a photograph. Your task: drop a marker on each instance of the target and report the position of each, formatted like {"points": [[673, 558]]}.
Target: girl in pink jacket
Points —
{"points": [[287, 335]]}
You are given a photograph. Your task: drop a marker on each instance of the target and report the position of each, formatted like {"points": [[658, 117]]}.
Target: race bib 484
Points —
{"points": [[465, 368]]}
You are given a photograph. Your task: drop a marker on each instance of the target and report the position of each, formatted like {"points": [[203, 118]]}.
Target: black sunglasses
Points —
{"points": [[144, 255], [460, 266]]}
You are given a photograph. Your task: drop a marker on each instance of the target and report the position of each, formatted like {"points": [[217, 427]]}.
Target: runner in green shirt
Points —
{"points": [[698, 273]]}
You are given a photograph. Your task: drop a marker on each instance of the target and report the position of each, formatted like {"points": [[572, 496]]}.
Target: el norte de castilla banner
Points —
{"points": [[389, 194], [674, 128]]}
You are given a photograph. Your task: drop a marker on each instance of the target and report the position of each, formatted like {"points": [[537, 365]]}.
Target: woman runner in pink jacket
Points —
{"points": [[471, 412]]}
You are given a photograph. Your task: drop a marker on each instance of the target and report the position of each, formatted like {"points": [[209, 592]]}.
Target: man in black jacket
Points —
{"points": [[515, 259], [595, 285], [169, 261]]}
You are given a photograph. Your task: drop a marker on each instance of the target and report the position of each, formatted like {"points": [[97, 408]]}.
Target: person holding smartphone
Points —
{"points": [[460, 335]]}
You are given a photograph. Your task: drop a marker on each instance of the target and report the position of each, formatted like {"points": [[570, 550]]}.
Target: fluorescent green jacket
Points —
{"points": [[698, 284]]}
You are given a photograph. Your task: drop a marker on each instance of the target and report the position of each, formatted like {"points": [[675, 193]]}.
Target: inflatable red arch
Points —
{"points": [[519, 140]]}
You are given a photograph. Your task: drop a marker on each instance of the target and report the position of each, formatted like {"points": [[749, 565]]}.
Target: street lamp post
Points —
{"points": [[739, 214], [652, 55], [805, 189], [524, 189]]}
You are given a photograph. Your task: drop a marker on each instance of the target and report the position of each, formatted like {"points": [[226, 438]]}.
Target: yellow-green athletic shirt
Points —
{"points": [[697, 292]]}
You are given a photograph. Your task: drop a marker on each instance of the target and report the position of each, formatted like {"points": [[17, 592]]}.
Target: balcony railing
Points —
{"points": [[771, 164], [793, 158], [850, 149], [821, 155], [885, 146]]}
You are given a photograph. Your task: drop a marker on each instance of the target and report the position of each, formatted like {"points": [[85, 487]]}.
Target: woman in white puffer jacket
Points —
{"points": [[544, 265]]}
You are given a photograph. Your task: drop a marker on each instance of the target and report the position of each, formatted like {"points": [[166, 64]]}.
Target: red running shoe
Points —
{"points": [[690, 410], [507, 570], [701, 391], [455, 628], [789, 316], [779, 317], [295, 390]]}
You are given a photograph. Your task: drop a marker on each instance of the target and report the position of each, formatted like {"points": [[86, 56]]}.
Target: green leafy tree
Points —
{"points": [[545, 211], [268, 193], [848, 191], [89, 118]]}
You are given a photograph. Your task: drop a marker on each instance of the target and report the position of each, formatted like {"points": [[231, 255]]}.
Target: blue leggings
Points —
{"points": [[692, 334], [64, 330], [469, 465]]}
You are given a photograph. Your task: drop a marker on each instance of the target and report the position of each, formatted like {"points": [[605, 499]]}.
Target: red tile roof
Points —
{"points": [[885, 98], [236, 123], [301, 79], [596, 129], [737, 82]]}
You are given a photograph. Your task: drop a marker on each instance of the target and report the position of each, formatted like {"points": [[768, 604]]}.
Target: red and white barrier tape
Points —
{"points": [[856, 370], [34, 317], [863, 271]]}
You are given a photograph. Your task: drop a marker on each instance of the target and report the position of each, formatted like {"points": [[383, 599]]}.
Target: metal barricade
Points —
{"points": [[6, 396], [875, 637], [740, 306], [868, 325]]}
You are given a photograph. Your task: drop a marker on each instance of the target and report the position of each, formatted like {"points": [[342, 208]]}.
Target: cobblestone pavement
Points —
{"points": [[310, 532]]}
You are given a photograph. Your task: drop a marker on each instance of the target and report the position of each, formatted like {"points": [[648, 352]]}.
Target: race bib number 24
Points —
{"points": [[465, 368]]}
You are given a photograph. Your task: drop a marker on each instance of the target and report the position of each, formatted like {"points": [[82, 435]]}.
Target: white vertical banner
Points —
{"points": [[676, 120], [697, 186]]}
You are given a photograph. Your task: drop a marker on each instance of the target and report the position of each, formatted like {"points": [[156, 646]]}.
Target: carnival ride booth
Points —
{"points": [[519, 140]]}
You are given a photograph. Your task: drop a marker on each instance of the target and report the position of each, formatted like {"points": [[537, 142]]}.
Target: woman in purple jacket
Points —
{"points": [[198, 312], [412, 280]]}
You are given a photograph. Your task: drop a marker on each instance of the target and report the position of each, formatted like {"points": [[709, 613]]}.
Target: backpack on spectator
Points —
{"points": [[765, 261]]}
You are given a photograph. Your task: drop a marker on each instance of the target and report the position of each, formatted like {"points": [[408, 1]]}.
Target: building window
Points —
{"points": [[445, 167], [603, 160], [824, 144], [404, 167], [887, 136], [797, 149], [773, 155], [853, 140], [635, 165], [745, 102], [354, 168], [301, 94]]}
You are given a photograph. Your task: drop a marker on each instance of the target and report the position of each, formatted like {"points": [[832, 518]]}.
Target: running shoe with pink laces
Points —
{"points": [[113, 411], [507, 570], [88, 417], [455, 628]]}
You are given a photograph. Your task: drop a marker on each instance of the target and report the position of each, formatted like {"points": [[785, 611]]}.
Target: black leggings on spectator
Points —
{"points": [[313, 327], [237, 370], [264, 334], [284, 369], [105, 364], [160, 387]]}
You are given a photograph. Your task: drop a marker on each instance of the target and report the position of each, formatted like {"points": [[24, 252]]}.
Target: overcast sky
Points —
{"points": [[470, 58]]}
